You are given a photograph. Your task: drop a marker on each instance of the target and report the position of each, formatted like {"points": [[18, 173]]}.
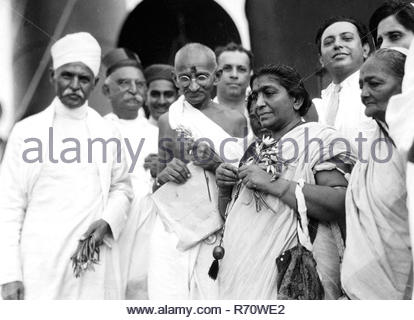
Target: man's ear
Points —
{"points": [[365, 50], [321, 61], [105, 90], [297, 103], [175, 78], [96, 80], [217, 76]]}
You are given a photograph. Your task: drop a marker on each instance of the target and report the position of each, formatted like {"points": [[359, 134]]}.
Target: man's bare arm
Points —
{"points": [[172, 165]]}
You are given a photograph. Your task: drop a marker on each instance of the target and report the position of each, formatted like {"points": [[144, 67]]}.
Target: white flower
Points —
{"points": [[267, 141], [258, 147]]}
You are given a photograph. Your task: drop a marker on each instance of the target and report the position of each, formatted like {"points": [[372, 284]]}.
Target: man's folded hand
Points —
{"points": [[175, 171]]}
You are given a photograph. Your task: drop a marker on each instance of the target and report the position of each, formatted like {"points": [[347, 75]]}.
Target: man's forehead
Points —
{"points": [[195, 68], [234, 58], [338, 28], [195, 63], [75, 67], [161, 85], [127, 72]]}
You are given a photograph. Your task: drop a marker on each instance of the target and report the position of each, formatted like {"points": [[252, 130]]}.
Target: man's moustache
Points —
{"points": [[69, 93], [138, 99]]}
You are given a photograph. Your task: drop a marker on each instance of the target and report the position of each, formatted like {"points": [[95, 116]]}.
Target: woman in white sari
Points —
{"points": [[263, 197], [377, 260]]}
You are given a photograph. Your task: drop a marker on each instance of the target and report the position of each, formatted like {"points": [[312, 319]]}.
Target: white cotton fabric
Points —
{"points": [[137, 131], [377, 260], [253, 240], [77, 47], [350, 117], [181, 113], [175, 274], [46, 207], [76, 201], [400, 119], [134, 240]]}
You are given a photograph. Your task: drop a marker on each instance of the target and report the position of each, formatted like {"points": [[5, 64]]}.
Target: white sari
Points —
{"points": [[377, 260], [253, 240]]}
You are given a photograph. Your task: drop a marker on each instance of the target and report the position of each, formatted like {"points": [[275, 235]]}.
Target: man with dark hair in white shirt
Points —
{"points": [[343, 45]]}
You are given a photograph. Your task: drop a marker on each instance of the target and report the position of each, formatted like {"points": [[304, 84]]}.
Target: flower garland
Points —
{"points": [[267, 157]]}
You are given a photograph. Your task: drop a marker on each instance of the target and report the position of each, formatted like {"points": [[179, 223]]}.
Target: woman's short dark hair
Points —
{"points": [[290, 79], [402, 10], [362, 30], [393, 59]]}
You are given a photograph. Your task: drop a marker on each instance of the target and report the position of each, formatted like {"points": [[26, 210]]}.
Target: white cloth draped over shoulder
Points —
{"points": [[46, 206], [173, 273], [140, 138], [229, 148], [400, 119], [377, 259], [253, 240]]}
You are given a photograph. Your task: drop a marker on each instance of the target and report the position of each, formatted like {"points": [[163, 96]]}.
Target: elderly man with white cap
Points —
{"points": [[64, 184]]}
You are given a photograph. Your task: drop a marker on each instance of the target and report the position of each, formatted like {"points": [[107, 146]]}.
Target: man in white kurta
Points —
{"points": [[58, 187], [343, 46], [125, 87]]}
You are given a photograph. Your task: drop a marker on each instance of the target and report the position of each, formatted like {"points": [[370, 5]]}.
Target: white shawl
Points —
{"points": [[175, 274]]}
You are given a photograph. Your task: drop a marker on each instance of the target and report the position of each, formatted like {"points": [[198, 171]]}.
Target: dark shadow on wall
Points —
{"points": [[156, 29]]}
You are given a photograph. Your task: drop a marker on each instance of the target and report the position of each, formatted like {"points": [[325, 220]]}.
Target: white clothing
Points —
{"points": [[350, 117], [400, 119], [182, 114], [135, 238], [137, 131], [377, 258], [152, 121], [77, 47], [46, 205], [175, 274]]}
